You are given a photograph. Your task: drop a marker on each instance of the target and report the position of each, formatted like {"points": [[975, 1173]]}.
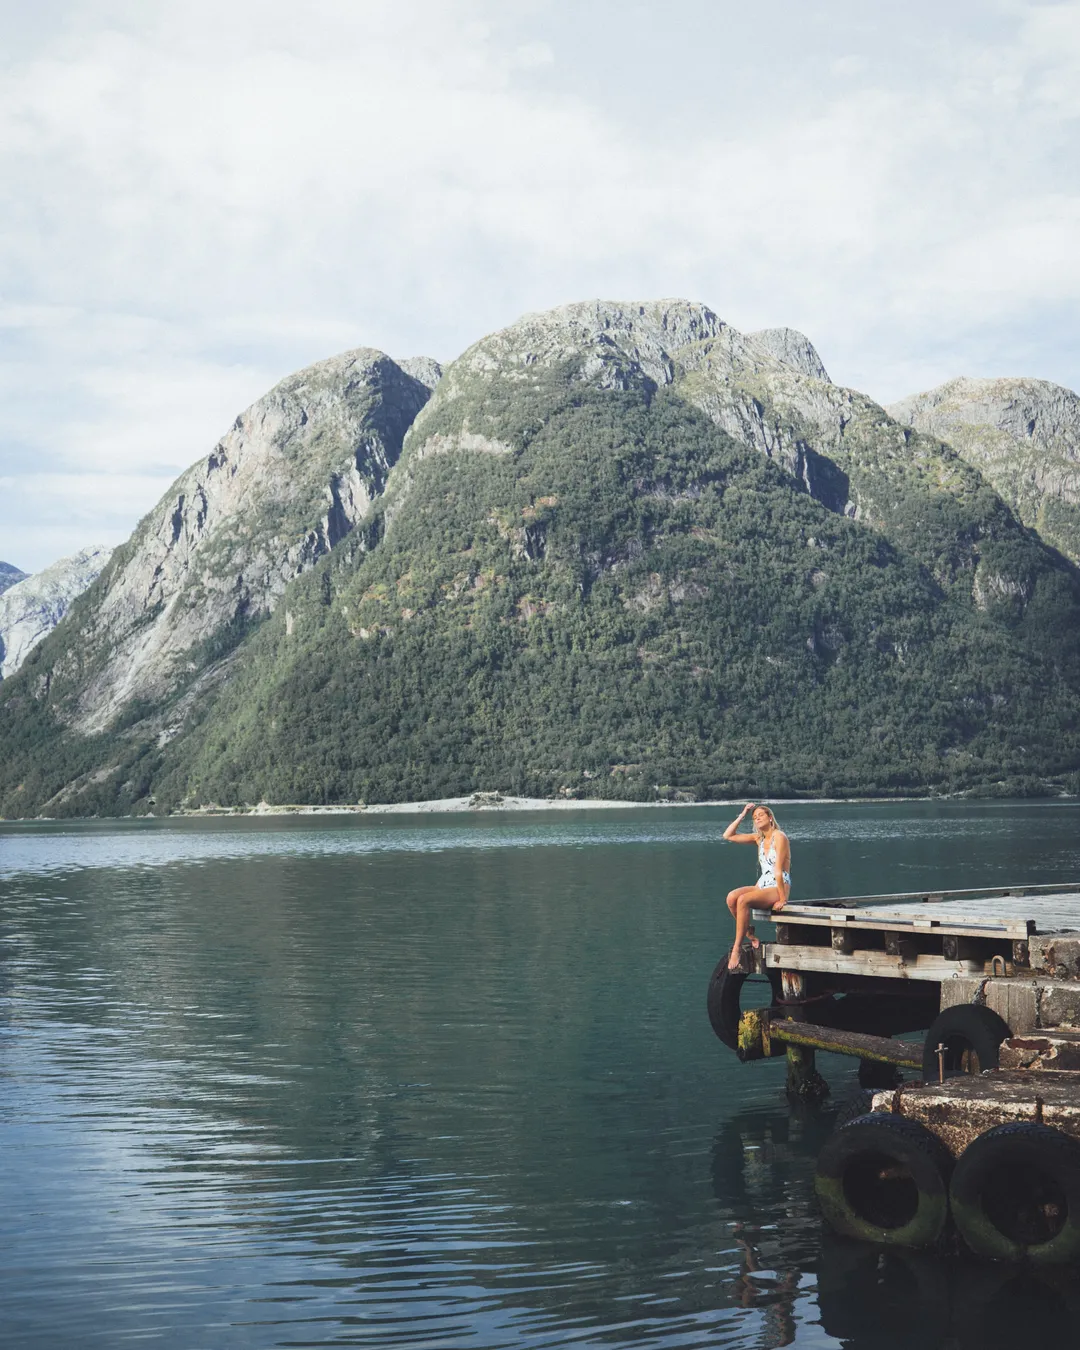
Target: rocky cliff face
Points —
{"points": [[424, 369], [1023, 435], [9, 576], [31, 609], [667, 343], [290, 479], [792, 349], [768, 390]]}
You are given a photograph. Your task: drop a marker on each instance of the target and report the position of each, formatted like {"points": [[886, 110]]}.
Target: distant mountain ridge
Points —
{"points": [[31, 608], [9, 575], [612, 549]]}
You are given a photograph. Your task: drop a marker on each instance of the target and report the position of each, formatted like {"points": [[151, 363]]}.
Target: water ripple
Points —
{"points": [[439, 1084]]}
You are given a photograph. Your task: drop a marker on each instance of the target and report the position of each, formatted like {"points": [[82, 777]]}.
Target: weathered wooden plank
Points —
{"points": [[1014, 929], [881, 1049], [1045, 913], [831, 962], [977, 893], [1013, 918]]}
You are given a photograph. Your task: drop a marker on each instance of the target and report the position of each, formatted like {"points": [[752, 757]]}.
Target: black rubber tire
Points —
{"points": [[723, 1002], [860, 1104], [911, 1209], [972, 1037], [1002, 1190]]}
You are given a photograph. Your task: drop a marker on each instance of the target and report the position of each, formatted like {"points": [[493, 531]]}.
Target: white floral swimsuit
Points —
{"points": [[767, 863]]}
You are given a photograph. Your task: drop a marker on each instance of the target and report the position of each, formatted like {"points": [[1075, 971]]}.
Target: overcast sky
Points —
{"points": [[199, 197]]}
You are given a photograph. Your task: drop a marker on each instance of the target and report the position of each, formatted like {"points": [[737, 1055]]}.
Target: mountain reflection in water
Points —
{"points": [[400, 1083]]}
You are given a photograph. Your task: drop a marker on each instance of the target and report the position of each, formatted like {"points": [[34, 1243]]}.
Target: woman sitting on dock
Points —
{"points": [[773, 885]]}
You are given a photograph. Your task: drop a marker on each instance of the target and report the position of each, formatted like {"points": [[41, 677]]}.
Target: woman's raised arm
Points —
{"points": [[732, 837]]}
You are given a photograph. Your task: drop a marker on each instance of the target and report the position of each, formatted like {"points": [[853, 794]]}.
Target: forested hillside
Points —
{"points": [[624, 551]]}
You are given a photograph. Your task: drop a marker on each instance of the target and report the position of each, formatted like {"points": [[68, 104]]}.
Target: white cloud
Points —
{"points": [[51, 515], [201, 197]]}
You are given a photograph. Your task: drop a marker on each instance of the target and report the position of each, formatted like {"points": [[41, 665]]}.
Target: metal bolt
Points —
{"points": [[941, 1062]]}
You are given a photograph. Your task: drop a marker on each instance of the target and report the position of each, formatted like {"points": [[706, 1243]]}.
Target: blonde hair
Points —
{"points": [[769, 812]]}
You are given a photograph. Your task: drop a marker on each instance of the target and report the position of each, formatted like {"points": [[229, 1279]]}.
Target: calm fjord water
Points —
{"points": [[443, 1082]]}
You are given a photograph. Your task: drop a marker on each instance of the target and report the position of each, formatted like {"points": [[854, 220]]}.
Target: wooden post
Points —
{"points": [[804, 1083], [803, 1080], [793, 985]]}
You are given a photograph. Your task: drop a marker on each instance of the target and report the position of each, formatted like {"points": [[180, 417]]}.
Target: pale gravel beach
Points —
{"points": [[516, 804], [443, 805], [493, 801]]}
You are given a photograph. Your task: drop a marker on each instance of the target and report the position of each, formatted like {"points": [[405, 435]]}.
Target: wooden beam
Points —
{"points": [[937, 897], [830, 962], [1018, 929], [881, 1049]]}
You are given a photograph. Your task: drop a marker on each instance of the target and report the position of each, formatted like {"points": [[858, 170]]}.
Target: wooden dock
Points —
{"points": [[932, 936], [988, 981]]}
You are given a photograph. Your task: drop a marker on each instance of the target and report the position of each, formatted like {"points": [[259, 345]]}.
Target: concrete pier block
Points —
{"points": [[1026, 1004], [1060, 1005], [1015, 1002], [1057, 956], [960, 1109], [960, 989], [1056, 1048]]}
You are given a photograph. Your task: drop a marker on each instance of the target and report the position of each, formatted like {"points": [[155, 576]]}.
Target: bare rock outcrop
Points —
{"points": [[792, 349], [1023, 435], [32, 607], [289, 480], [424, 369]]}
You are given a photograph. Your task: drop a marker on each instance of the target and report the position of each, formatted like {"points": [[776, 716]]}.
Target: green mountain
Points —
{"points": [[1023, 436], [621, 550]]}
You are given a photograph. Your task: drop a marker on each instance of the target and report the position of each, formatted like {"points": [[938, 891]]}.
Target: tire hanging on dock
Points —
{"points": [[1015, 1195], [860, 1104], [971, 1035], [882, 1178], [724, 1002]]}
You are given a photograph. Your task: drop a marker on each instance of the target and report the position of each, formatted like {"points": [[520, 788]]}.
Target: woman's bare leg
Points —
{"points": [[733, 897], [750, 897]]}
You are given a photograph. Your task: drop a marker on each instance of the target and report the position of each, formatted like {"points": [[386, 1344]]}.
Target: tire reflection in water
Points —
{"points": [[807, 1287]]}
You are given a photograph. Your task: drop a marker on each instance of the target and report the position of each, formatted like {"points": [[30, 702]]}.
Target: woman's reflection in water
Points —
{"points": [[753, 1288]]}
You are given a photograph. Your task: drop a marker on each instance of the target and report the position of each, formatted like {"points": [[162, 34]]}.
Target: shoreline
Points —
{"points": [[489, 802], [493, 803]]}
